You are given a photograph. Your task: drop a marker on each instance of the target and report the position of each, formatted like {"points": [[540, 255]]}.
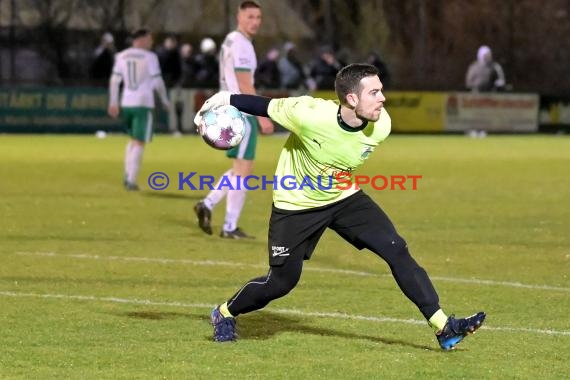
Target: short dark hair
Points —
{"points": [[139, 33], [348, 79], [248, 4]]}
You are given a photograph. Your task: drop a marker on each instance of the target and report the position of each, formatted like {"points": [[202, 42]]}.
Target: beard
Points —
{"points": [[369, 116]]}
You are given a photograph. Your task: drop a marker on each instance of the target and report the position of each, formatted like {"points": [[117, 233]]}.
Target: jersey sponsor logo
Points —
{"points": [[334, 171], [366, 152], [279, 251]]}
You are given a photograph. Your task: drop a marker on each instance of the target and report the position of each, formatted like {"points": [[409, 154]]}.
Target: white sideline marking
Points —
{"points": [[305, 268], [500, 283], [279, 311]]}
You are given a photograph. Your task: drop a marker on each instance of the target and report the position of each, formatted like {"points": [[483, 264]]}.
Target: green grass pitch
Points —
{"points": [[98, 283]]}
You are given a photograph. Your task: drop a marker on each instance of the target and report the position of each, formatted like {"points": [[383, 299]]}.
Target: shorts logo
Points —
{"points": [[279, 251]]}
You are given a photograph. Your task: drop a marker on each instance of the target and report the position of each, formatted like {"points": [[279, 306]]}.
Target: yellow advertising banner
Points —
{"points": [[416, 111], [411, 111]]}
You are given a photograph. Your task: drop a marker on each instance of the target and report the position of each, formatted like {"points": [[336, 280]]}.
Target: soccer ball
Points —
{"points": [[222, 127]]}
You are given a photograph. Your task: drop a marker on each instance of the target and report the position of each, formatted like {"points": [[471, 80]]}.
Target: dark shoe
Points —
{"points": [[224, 328], [456, 329], [204, 217], [235, 234], [129, 186]]}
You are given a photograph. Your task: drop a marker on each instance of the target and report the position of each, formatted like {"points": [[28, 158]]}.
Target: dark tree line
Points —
{"points": [[428, 44]]}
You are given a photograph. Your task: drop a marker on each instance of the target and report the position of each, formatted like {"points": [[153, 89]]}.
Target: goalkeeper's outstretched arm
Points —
{"points": [[252, 104]]}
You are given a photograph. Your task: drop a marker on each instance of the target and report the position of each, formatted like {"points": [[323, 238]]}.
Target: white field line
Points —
{"points": [[300, 313], [310, 268]]}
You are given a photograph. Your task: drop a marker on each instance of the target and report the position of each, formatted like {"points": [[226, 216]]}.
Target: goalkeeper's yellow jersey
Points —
{"points": [[320, 147]]}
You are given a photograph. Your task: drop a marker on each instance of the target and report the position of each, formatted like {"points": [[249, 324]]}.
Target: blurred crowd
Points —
{"points": [[184, 65]]}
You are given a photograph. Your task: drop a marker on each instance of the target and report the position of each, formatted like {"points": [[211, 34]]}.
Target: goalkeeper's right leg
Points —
{"points": [[258, 292]]}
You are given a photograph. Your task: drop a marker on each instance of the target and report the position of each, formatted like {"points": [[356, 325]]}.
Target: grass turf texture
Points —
{"points": [[99, 283]]}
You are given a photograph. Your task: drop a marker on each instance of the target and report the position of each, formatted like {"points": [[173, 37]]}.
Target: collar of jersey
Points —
{"points": [[347, 127], [245, 35]]}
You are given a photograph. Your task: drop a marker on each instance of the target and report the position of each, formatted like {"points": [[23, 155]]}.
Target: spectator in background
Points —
{"points": [[373, 58], [103, 59], [267, 73], [170, 62], [324, 68], [187, 74], [171, 66], [291, 70], [188, 62], [485, 74], [207, 66]]}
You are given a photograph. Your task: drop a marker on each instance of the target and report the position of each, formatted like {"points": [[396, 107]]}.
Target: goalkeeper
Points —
{"points": [[328, 139]]}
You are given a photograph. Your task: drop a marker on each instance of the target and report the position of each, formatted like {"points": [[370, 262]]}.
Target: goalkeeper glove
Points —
{"points": [[221, 98]]}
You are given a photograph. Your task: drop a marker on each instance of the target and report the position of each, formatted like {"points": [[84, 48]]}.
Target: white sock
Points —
{"points": [[215, 196], [134, 162], [127, 157], [234, 205]]}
